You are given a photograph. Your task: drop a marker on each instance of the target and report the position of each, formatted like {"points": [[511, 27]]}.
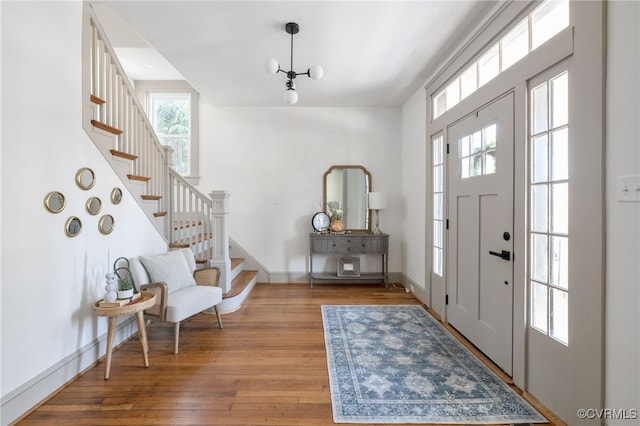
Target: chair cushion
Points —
{"points": [[171, 268], [189, 301]]}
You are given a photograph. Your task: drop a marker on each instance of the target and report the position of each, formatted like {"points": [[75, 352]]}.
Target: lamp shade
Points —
{"points": [[377, 200]]}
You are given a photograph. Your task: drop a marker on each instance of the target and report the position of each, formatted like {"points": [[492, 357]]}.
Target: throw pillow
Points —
{"points": [[171, 268]]}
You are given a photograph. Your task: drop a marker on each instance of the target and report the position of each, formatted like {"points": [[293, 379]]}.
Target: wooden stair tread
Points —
{"points": [[159, 214], [96, 100], [138, 178], [235, 261], [121, 154], [178, 245], [239, 283], [151, 197], [180, 224], [106, 127], [194, 240]]}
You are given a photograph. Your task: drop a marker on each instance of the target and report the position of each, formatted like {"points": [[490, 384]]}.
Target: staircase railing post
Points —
{"points": [[221, 258], [168, 195]]}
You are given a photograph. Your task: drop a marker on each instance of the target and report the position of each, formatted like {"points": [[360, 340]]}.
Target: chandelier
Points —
{"points": [[272, 67]]}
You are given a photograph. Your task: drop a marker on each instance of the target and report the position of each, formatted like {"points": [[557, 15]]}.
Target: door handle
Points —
{"points": [[506, 255]]}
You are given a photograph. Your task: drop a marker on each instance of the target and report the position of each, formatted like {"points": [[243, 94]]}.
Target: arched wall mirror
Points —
{"points": [[345, 196]]}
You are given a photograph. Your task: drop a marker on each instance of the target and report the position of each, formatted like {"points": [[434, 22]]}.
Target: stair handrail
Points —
{"points": [[190, 211], [112, 106], [118, 111]]}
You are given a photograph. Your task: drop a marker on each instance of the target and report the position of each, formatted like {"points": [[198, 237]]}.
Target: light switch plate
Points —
{"points": [[629, 188]]}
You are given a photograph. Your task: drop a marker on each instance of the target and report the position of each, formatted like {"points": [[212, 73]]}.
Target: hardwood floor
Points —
{"points": [[266, 367]]}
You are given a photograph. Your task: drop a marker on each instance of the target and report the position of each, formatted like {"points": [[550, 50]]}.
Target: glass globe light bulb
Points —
{"points": [[316, 72], [291, 96], [271, 66]]}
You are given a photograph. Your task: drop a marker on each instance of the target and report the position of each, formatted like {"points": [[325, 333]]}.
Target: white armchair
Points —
{"points": [[172, 276]]}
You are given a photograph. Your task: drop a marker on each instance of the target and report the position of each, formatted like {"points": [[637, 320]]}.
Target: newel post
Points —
{"points": [[220, 226], [168, 193]]}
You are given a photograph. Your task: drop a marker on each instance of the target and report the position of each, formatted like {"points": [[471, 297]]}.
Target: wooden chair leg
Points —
{"points": [[218, 316], [176, 336]]}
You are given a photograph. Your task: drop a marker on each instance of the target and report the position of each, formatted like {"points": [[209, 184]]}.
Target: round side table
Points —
{"points": [[136, 307]]}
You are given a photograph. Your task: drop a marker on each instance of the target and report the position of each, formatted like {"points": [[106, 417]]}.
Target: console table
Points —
{"points": [[351, 244]]}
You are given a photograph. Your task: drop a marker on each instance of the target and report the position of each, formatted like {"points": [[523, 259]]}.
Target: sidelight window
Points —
{"points": [[549, 208], [438, 204]]}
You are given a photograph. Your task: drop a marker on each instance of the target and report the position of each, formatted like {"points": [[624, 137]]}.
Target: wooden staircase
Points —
{"points": [[116, 122]]}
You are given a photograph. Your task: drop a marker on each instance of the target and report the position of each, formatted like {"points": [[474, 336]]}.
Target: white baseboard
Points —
{"points": [[23, 399]]}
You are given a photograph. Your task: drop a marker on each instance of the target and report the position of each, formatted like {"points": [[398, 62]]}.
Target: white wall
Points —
{"points": [[272, 160], [49, 281], [623, 219], [415, 190]]}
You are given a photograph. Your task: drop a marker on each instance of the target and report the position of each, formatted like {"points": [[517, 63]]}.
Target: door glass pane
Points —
{"points": [[559, 315], [548, 20], [464, 147], [439, 104], [539, 257], [437, 152], [515, 45], [464, 168], [437, 233], [489, 136], [469, 81], [560, 208], [539, 208], [560, 262], [539, 306], [540, 159], [437, 206], [489, 65], [560, 154], [539, 99], [560, 100], [453, 93], [437, 261], [476, 165], [476, 142], [437, 178], [489, 162]]}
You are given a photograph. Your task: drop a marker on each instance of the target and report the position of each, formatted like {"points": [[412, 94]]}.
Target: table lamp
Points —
{"points": [[377, 201]]}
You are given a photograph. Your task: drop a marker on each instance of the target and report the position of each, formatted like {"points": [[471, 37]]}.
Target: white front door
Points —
{"points": [[480, 237]]}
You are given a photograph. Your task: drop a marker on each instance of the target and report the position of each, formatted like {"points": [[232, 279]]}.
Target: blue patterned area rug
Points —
{"points": [[397, 364]]}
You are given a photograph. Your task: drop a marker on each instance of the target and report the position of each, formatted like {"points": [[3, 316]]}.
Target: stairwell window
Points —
{"points": [[170, 115], [172, 108]]}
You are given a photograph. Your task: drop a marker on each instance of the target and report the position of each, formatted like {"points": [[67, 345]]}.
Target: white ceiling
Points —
{"points": [[374, 53]]}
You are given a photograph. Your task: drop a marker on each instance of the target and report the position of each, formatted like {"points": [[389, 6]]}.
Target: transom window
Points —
{"points": [[549, 207], [478, 153], [540, 25]]}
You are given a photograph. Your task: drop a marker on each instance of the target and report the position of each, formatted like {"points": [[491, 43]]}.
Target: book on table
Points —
{"points": [[120, 302]]}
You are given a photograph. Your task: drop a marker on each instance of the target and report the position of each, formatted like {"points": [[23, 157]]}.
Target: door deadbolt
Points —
{"points": [[506, 236]]}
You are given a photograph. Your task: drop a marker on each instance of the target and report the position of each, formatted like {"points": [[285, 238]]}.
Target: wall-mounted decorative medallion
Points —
{"points": [[55, 202], [116, 195], [106, 224], [85, 178], [73, 226]]}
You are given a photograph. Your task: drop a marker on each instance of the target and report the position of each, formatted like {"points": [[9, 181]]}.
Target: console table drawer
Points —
{"points": [[375, 244], [322, 245], [348, 245]]}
